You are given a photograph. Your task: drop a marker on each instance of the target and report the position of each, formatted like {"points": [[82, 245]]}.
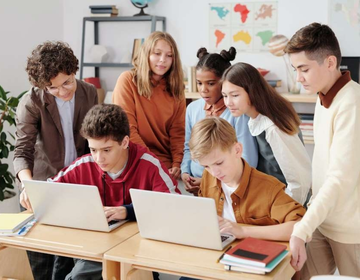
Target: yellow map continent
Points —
{"points": [[242, 36]]}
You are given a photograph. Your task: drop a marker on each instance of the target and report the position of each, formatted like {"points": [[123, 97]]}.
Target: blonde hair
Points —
{"points": [[211, 133], [142, 71]]}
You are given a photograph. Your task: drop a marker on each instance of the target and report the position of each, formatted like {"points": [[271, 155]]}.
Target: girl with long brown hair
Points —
{"points": [[274, 123]]}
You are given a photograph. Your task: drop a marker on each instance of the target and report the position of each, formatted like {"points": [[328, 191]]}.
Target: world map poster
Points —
{"points": [[247, 26]]}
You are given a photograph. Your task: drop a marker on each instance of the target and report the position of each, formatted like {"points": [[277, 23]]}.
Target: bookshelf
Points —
{"points": [[96, 20]]}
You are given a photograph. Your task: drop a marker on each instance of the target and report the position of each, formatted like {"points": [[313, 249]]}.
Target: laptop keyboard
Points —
{"points": [[224, 237]]}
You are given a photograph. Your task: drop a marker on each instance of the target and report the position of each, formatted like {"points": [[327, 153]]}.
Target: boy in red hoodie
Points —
{"points": [[115, 165]]}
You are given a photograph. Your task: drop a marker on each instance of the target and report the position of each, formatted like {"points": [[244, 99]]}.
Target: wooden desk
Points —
{"points": [[73, 243], [143, 254]]}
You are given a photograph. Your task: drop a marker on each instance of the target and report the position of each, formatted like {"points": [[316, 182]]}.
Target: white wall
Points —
{"points": [[187, 22], [24, 25]]}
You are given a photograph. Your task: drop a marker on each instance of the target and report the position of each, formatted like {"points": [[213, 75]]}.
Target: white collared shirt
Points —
{"points": [[290, 153]]}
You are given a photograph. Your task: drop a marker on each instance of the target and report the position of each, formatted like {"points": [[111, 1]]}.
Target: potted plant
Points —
{"points": [[8, 106]]}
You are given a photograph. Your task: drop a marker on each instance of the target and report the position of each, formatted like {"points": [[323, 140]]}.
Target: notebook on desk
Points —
{"points": [[68, 205], [182, 219]]}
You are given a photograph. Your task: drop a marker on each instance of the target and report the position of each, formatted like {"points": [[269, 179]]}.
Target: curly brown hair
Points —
{"points": [[49, 59], [105, 121]]}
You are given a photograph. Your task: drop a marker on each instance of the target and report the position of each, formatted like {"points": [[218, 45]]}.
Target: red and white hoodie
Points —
{"points": [[143, 171]]}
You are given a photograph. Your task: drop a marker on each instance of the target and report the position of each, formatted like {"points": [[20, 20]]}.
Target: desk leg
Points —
{"points": [[127, 272], [111, 270]]}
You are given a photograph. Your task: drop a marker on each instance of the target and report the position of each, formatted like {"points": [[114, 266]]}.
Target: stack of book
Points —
{"points": [[104, 11], [253, 255], [307, 127], [274, 83]]}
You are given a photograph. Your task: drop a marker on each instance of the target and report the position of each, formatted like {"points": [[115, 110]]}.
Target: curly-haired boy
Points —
{"points": [[48, 121]]}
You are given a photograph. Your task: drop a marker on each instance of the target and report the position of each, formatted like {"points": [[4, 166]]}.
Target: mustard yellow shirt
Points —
{"points": [[259, 199]]}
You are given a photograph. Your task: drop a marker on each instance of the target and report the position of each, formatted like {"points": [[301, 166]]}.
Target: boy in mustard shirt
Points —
{"points": [[242, 194]]}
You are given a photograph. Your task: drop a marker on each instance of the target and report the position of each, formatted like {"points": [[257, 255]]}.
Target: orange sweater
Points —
{"points": [[157, 123]]}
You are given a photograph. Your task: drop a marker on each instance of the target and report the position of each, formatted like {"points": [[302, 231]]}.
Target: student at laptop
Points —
{"points": [[115, 165], [243, 195], [48, 121]]}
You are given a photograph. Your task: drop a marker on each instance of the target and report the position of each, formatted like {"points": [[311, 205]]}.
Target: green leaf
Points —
{"points": [[2, 93], [10, 120], [21, 94], [3, 168], [8, 178], [10, 186], [13, 102], [3, 137], [5, 152]]}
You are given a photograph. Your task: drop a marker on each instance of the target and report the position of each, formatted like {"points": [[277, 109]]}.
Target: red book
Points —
{"points": [[93, 80], [255, 252]]}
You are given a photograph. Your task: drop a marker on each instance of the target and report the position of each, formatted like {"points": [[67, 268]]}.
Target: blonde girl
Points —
{"points": [[152, 95]]}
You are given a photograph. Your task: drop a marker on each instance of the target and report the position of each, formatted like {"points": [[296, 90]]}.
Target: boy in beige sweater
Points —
{"points": [[333, 217]]}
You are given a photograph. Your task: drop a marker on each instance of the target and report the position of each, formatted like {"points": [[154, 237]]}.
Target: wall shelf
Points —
{"points": [[96, 21]]}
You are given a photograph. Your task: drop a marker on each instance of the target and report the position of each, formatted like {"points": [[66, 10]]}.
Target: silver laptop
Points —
{"points": [[68, 205], [179, 219]]}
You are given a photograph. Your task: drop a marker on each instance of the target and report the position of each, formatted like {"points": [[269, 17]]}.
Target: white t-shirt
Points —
{"points": [[228, 211]]}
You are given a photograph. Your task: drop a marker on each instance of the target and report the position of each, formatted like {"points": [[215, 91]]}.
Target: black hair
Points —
{"points": [[214, 62]]}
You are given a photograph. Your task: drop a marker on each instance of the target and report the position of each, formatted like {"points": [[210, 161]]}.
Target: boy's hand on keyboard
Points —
{"points": [[229, 227], [115, 213]]}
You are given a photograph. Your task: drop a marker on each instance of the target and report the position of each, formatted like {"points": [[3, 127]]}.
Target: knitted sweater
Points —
{"points": [[335, 206], [157, 123]]}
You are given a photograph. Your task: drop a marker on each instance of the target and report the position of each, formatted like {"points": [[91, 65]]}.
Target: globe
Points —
{"points": [[277, 45], [141, 4]]}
